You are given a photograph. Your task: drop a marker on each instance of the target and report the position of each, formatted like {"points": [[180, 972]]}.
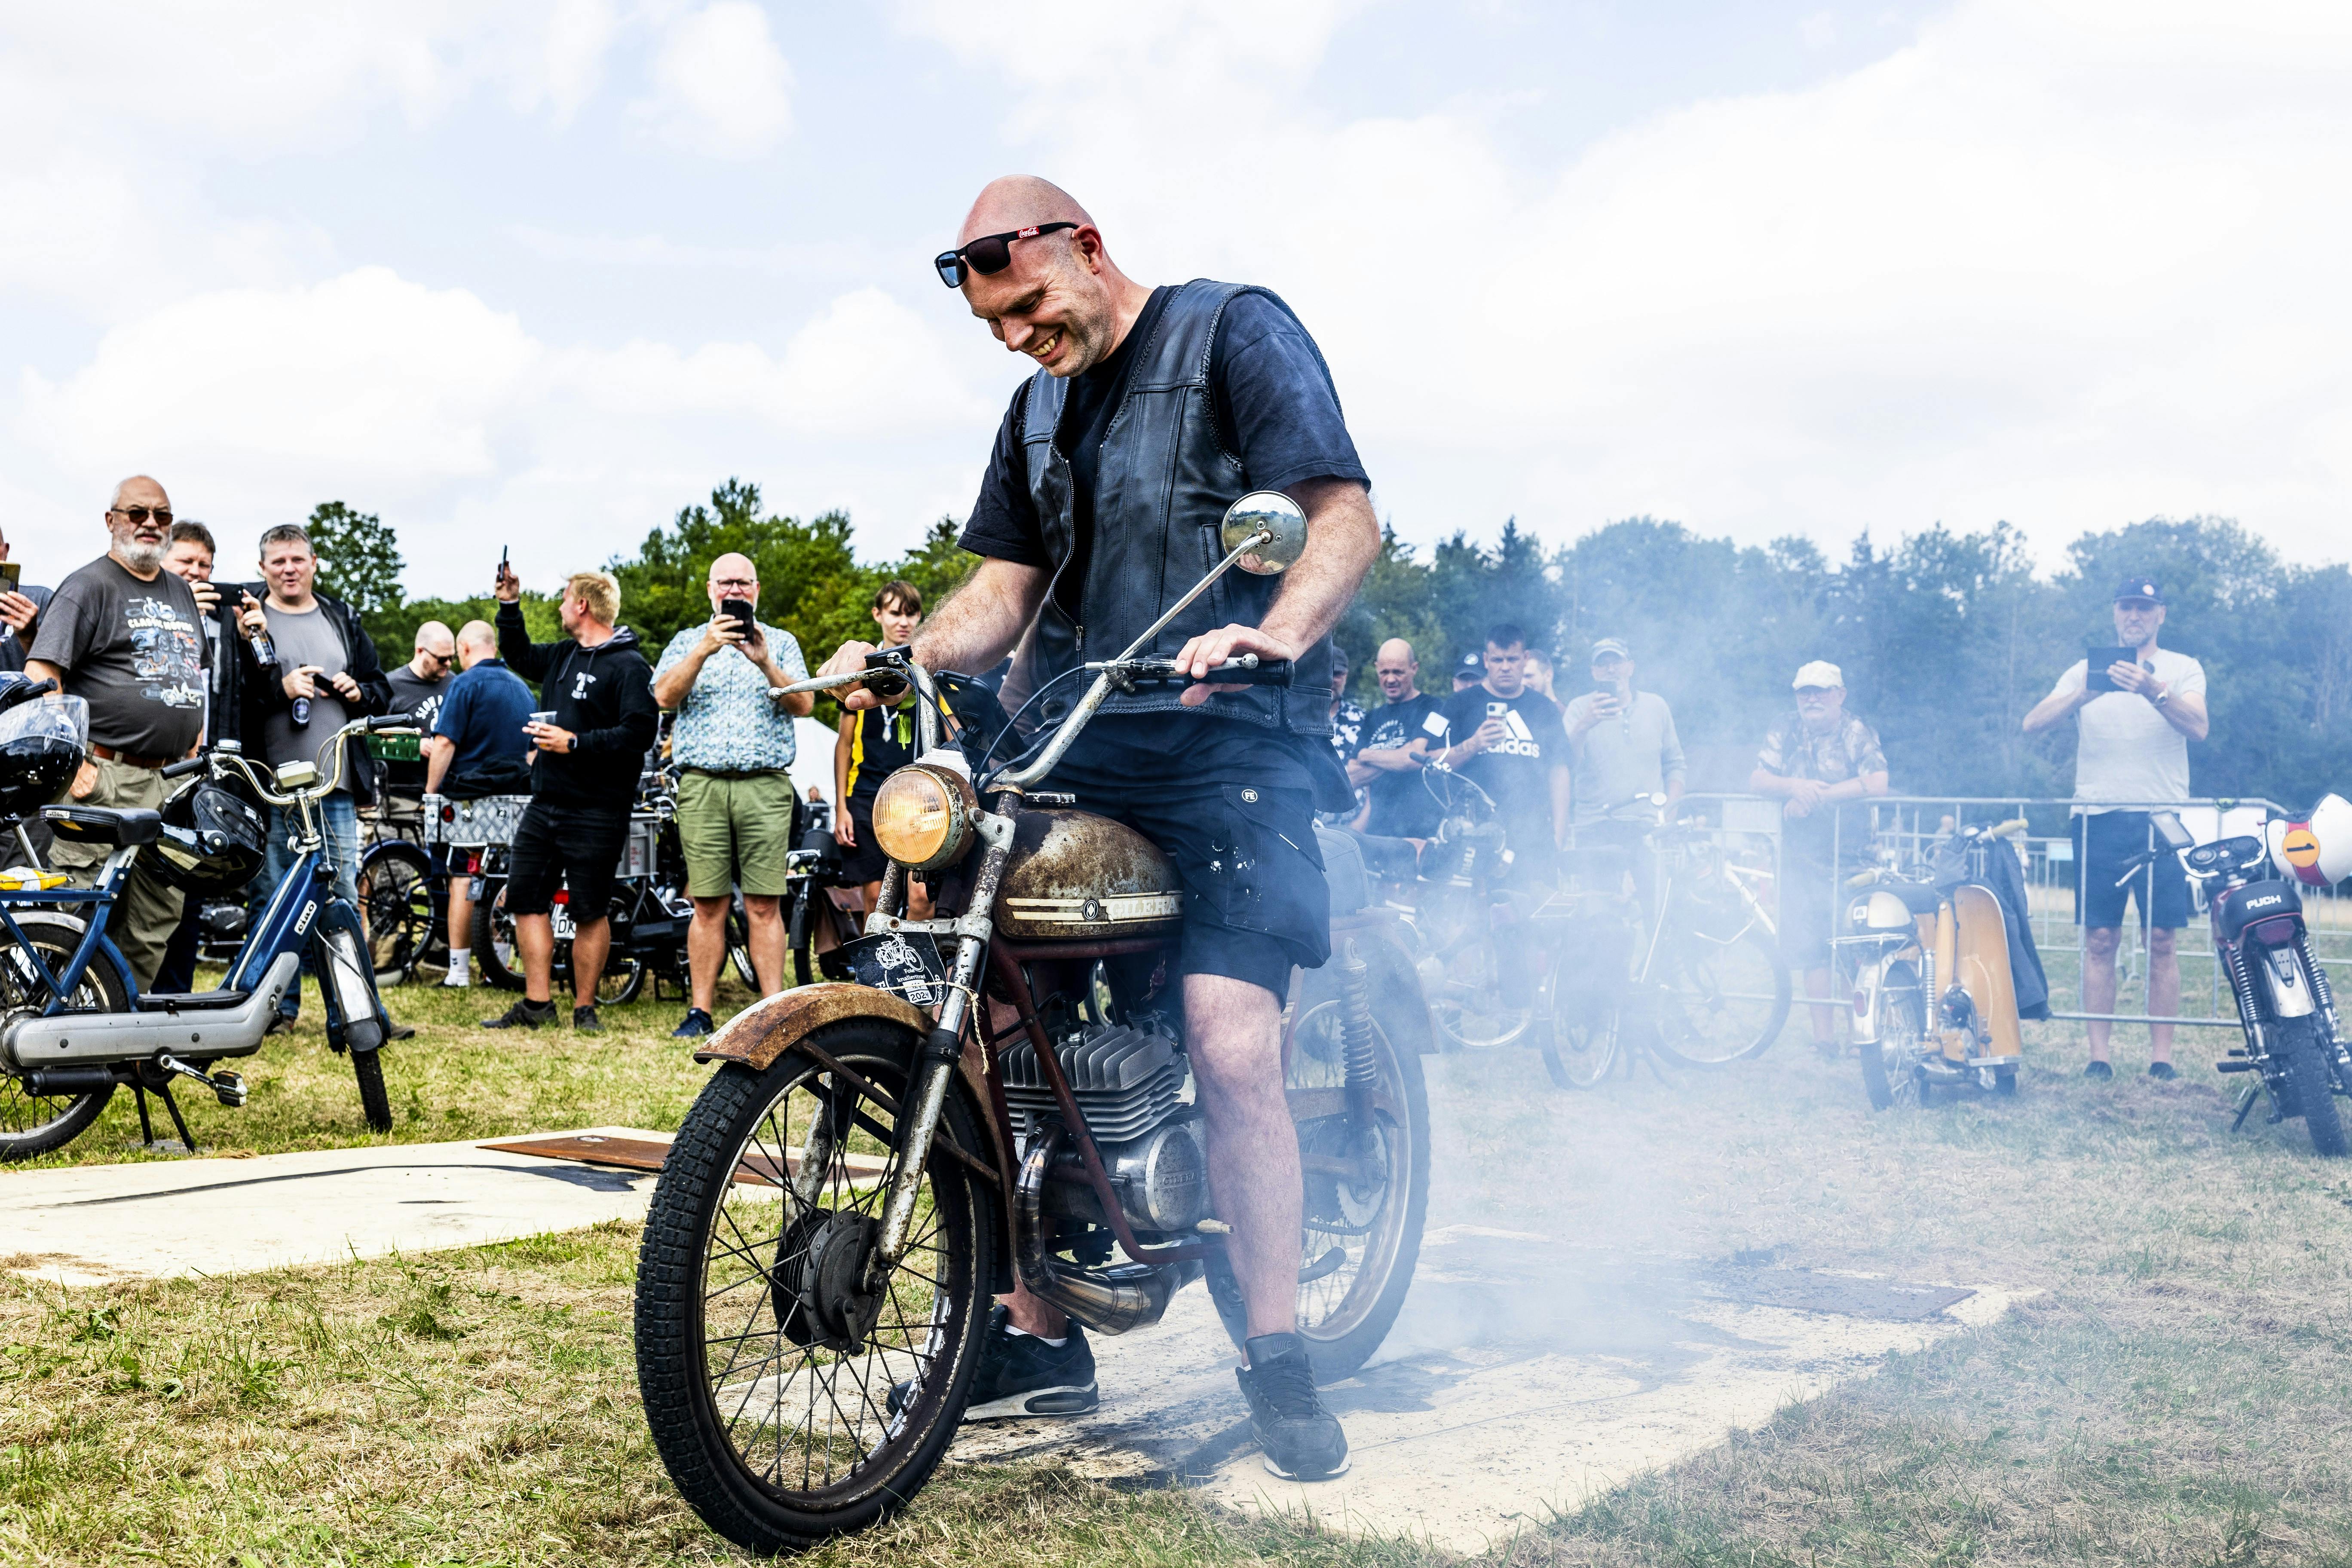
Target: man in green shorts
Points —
{"points": [[733, 745]]}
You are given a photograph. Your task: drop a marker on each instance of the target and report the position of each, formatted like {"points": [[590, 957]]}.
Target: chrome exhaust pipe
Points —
{"points": [[1107, 1300]]}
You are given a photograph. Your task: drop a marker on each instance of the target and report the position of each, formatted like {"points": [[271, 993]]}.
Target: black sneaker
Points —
{"points": [[1021, 1377], [2161, 1071], [698, 1024], [525, 1014], [586, 1022], [1302, 1440], [401, 1032], [2099, 1071]]}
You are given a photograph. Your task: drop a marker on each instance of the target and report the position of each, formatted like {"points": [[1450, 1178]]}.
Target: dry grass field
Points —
{"points": [[2176, 1391]]}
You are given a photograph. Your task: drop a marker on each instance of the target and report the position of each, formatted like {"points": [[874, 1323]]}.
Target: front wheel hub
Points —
{"points": [[820, 1281]]}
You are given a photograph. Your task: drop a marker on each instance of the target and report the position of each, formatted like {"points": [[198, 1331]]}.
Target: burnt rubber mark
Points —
{"points": [[597, 1181]]}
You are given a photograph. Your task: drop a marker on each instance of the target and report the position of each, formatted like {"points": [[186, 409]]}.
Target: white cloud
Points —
{"points": [[2065, 263], [723, 86]]}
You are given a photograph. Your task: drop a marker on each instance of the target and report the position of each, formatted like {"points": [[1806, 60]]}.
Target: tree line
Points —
{"points": [[1945, 636]]}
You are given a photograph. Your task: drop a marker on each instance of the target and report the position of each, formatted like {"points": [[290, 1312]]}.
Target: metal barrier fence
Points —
{"points": [[1898, 831]]}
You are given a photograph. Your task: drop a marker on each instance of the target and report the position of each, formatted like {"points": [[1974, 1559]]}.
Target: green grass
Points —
{"points": [[2175, 1393]]}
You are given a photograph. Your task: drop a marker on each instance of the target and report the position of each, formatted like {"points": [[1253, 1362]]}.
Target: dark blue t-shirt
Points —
{"points": [[483, 713], [1277, 410]]}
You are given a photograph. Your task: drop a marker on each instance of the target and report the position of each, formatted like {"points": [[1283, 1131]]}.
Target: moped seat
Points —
{"points": [[132, 825], [190, 1001], [1919, 898]]}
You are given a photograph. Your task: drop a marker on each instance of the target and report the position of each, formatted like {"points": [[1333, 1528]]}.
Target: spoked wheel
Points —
{"points": [[1582, 1043], [494, 938], [739, 944], [1886, 1064], [788, 1403], [1367, 1185], [1719, 999], [622, 978], [2303, 1050], [1466, 1005], [31, 1123], [395, 887]]}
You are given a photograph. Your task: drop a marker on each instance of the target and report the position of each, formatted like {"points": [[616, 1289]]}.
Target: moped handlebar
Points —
{"points": [[185, 766], [1246, 669]]}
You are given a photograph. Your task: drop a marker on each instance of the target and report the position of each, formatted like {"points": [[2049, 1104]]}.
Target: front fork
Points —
{"points": [[935, 1063], [339, 952]]}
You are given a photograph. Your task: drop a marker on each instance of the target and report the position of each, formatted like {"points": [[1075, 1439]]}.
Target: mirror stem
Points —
{"points": [[1262, 536]]}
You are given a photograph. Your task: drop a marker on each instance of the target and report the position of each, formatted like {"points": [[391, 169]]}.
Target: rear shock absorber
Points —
{"points": [[1360, 1052], [2325, 994]]}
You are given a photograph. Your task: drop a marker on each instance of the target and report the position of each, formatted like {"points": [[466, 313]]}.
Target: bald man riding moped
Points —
{"points": [[794, 1311]]}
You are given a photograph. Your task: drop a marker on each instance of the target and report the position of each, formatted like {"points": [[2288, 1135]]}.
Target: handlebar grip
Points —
{"points": [[27, 692], [183, 767], [383, 722], [2014, 826], [1234, 672]]}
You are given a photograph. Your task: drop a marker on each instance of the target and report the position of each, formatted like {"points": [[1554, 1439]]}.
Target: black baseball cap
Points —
{"points": [[1471, 663], [2139, 588]]}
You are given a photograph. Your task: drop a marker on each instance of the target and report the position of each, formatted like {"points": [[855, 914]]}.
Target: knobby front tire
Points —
{"points": [[774, 1422], [2303, 1053]]}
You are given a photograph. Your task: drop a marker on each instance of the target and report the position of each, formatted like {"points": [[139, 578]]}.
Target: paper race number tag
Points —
{"points": [[1435, 724]]}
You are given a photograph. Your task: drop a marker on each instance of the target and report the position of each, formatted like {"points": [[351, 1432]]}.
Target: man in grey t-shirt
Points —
{"points": [[125, 635], [1621, 746], [2133, 754]]}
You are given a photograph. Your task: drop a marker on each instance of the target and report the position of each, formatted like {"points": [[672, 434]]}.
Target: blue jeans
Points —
{"points": [[339, 822]]}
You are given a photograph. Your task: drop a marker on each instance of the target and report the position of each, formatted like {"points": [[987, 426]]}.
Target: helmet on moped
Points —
{"points": [[2317, 851], [214, 839], [43, 739]]}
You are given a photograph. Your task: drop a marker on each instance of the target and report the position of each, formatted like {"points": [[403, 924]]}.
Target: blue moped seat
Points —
{"points": [[104, 824]]}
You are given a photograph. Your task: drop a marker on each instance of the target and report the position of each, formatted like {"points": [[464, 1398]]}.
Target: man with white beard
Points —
{"points": [[126, 637]]}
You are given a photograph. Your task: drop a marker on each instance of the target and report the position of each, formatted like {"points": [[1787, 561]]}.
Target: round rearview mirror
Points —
{"points": [[1275, 520]]}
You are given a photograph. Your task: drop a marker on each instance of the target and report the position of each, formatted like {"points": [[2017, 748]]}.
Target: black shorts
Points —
{"points": [[862, 861], [2104, 841], [1255, 899], [569, 846]]}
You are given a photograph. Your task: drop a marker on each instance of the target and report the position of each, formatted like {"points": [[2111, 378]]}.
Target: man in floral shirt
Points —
{"points": [[733, 745], [1814, 761]]}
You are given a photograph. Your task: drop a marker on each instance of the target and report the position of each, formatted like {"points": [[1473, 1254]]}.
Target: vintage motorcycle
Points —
{"points": [[2286, 1009], [1935, 1004], [873, 1157]]}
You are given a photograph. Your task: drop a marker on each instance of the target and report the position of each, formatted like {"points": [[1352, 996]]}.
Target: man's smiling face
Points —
{"points": [[1052, 304]]}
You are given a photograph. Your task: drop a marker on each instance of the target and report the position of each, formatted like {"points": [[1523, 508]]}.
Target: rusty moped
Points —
{"points": [[999, 1091]]}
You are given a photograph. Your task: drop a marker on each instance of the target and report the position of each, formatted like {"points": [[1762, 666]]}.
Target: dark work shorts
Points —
{"points": [[2104, 841], [1255, 899], [561, 846]]}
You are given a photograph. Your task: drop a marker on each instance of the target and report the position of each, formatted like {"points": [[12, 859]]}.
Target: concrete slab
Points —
{"points": [[1522, 1377], [92, 1225]]}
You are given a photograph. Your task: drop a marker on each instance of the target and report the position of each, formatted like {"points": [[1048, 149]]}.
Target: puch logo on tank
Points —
{"points": [[2265, 901], [1112, 909]]}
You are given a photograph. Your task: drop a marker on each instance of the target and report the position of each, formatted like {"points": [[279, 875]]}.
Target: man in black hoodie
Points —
{"points": [[584, 779]]}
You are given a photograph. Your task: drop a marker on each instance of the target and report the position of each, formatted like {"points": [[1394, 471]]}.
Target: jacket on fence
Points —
{"points": [[2005, 881]]}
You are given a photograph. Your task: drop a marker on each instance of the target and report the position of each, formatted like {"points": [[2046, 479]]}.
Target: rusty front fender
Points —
{"points": [[757, 1035]]}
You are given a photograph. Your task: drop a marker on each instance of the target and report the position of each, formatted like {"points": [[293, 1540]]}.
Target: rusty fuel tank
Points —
{"points": [[1074, 876]]}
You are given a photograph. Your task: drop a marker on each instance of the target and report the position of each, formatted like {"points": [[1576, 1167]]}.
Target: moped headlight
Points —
{"points": [[922, 817]]}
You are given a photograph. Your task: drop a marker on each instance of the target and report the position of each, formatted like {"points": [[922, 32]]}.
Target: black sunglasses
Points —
{"points": [[136, 515], [990, 253]]}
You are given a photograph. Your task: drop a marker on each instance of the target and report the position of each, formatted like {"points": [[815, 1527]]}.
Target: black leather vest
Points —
{"points": [[1162, 487]]}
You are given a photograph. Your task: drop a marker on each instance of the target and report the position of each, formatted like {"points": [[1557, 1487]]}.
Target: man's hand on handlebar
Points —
{"points": [[849, 661], [1210, 649]]}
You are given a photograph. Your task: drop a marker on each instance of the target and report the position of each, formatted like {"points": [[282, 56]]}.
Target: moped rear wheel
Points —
{"points": [[1719, 1001], [396, 888], [1366, 1190], [32, 1123], [494, 938], [2303, 1052], [788, 1406]]}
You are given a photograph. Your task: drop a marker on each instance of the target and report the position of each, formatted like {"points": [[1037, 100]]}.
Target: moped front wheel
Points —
{"points": [[1886, 1061], [789, 1404]]}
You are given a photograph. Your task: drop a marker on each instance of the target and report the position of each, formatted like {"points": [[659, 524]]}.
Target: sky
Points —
{"points": [[533, 276]]}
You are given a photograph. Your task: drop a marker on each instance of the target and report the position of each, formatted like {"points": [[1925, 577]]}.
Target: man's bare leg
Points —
{"points": [[591, 942], [2099, 985], [535, 935], [706, 951], [763, 914], [1233, 1031]]}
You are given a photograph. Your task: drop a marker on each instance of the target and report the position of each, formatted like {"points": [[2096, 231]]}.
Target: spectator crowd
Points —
{"points": [[170, 661]]}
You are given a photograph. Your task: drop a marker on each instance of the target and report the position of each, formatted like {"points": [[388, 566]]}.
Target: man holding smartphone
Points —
{"points": [[733, 746], [1506, 739], [20, 606], [2138, 710], [1623, 750]]}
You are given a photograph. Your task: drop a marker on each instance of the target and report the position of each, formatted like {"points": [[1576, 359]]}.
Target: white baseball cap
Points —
{"points": [[1820, 672]]}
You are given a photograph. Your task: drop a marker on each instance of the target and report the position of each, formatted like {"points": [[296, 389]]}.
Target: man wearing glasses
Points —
{"points": [[417, 688], [126, 637], [733, 745], [1150, 411]]}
